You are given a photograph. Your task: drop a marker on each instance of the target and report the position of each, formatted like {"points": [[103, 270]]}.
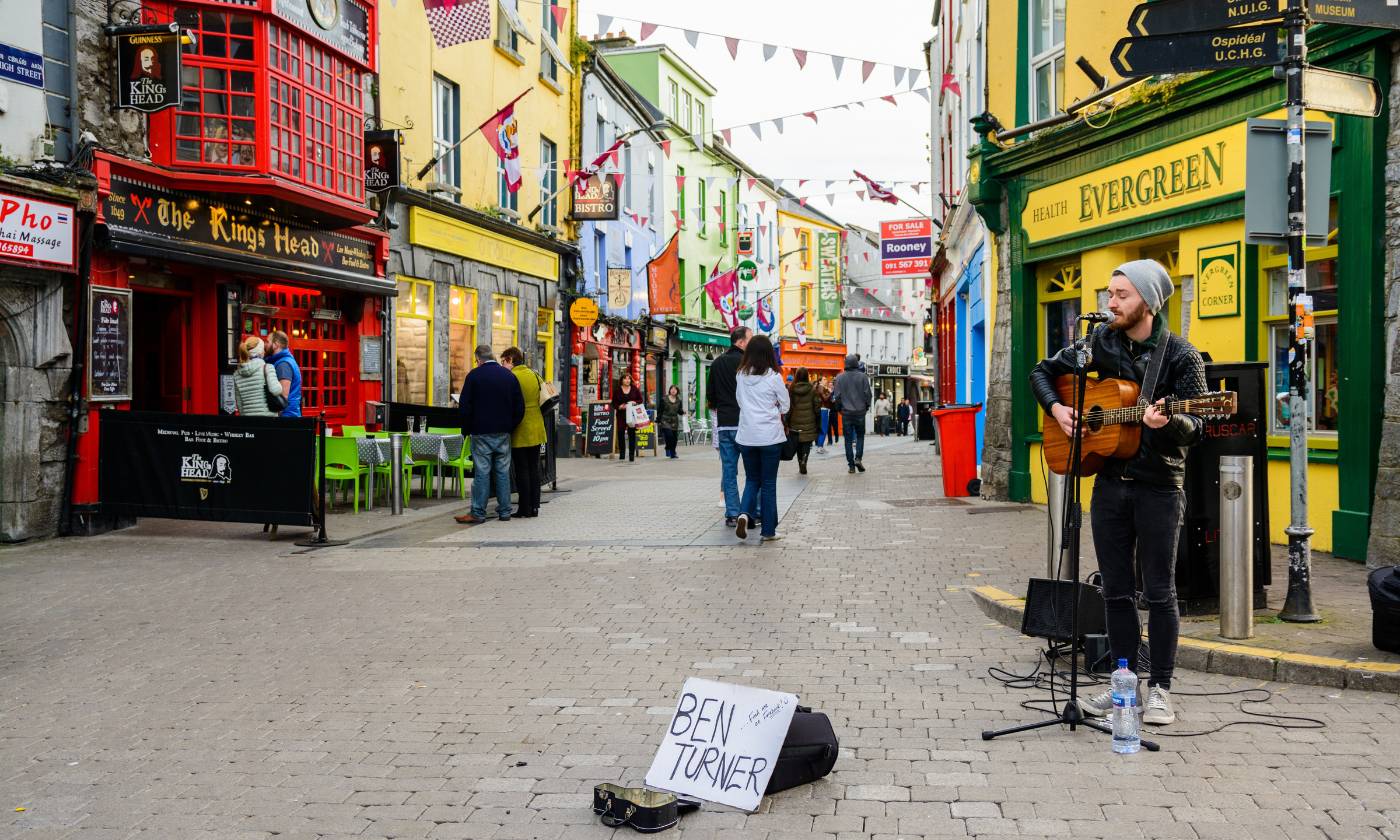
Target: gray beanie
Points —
{"points": [[1151, 281]]}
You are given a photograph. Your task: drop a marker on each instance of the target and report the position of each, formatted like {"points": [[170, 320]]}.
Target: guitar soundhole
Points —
{"points": [[1093, 419]]}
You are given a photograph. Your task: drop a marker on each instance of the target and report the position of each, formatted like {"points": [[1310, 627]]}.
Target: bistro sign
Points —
{"points": [[137, 208], [595, 199]]}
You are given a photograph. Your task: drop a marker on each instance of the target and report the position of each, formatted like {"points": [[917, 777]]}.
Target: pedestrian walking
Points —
{"points": [[288, 372], [625, 394], [884, 414], [763, 400], [833, 415], [852, 396], [822, 412], [668, 417], [528, 436], [722, 399], [491, 406], [804, 415], [256, 391], [904, 413]]}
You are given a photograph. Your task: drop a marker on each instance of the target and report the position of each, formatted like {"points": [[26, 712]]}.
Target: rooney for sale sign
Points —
{"points": [[34, 232], [906, 247]]}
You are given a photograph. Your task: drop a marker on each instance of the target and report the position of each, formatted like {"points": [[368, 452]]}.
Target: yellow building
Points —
{"points": [[809, 258], [1160, 173], [475, 262]]}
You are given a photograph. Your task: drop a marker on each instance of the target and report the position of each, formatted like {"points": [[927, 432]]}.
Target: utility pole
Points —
{"points": [[1298, 606]]}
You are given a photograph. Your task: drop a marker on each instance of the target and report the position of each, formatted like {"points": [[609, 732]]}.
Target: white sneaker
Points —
{"points": [[1159, 707], [741, 526], [1099, 705], [771, 538]]}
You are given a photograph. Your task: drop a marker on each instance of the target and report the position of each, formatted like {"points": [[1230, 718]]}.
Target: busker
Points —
{"points": [[720, 397], [1138, 502], [852, 396], [804, 415], [491, 406]]}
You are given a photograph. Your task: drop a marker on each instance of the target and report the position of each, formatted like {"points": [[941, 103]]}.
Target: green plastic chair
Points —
{"points": [[353, 431], [462, 464], [343, 464]]}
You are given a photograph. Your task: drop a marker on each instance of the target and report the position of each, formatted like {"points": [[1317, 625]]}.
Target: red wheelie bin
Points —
{"points": [[957, 438]]}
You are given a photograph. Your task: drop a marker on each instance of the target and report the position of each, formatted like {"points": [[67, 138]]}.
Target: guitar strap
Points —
{"points": [[1154, 369]]}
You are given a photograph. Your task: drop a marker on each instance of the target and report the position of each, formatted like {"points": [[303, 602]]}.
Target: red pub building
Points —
{"points": [[249, 216]]}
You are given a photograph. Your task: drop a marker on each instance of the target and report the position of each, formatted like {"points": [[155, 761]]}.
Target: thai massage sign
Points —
{"points": [[1202, 169], [1218, 281], [138, 208], [722, 743]]}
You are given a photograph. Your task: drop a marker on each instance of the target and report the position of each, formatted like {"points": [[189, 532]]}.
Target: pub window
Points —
{"points": [[316, 118], [549, 28], [700, 210], [675, 101], [549, 153], [1060, 307], [722, 207], [509, 27], [688, 114], [413, 342], [544, 343], [1324, 369], [1047, 81], [446, 131], [505, 323], [700, 119], [216, 121], [461, 335]]}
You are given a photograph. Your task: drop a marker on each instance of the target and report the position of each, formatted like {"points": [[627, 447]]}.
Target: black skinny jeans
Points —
{"points": [[525, 461], [671, 437], [1132, 517]]}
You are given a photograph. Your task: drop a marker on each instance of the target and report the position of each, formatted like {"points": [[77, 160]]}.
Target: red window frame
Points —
{"points": [[323, 348]]}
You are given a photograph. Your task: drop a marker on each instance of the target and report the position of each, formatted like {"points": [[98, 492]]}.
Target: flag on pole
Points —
{"points": [[502, 133], [664, 280], [766, 318], [723, 290], [877, 192], [799, 329], [458, 21]]}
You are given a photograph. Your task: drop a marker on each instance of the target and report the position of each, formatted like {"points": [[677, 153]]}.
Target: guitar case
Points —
{"points": [[809, 751]]}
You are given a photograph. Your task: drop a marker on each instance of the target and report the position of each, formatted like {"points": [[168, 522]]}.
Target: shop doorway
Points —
{"points": [[160, 352]]}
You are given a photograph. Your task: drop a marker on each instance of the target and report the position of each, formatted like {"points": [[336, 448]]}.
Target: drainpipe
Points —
{"points": [[81, 284]]}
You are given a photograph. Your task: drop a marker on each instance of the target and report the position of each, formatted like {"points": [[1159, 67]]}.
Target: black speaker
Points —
{"points": [[1050, 610]]}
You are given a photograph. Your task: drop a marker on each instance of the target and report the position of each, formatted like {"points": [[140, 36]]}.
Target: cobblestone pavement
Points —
{"points": [[435, 682]]}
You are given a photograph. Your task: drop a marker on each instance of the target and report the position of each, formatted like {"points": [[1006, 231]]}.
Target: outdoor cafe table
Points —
{"points": [[422, 446]]}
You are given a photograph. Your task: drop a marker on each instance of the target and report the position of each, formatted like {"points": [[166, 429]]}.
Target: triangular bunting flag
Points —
{"points": [[831, 199], [692, 37], [923, 91], [801, 56], [561, 14], [719, 210], [865, 69], [801, 182], [899, 76], [768, 51], [604, 24], [915, 185], [867, 253], [752, 182], [733, 45], [829, 183], [802, 201], [778, 124], [728, 135], [890, 99], [812, 114], [763, 206], [914, 73], [642, 221], [837, 62], [861, 194], [680, 183], [666, 148], [757, 129], [648, 30], [676, 214]]}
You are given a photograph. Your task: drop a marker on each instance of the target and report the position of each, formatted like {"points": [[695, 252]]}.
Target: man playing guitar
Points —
{"points": [[1138, 502]]}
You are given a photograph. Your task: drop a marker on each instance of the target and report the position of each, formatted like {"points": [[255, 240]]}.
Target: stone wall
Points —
{"points": [[1384, 547], [997, 444], [123, 132]]}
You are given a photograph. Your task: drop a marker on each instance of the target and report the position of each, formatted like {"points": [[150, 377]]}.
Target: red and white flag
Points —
{"points": [[723, 290], [877, 192], [503, 134], [799, 329], [458, 21]]}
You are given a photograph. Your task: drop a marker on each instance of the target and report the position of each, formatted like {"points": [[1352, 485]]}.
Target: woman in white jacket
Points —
{"points": [[254, 381], [763, 400]]}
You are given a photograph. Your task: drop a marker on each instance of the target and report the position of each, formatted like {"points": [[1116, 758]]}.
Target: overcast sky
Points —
{"points": [[881, 140]]}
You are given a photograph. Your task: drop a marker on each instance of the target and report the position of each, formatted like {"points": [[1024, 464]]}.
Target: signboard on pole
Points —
{"points": [[1266, 195], [1384, 14], [744, 244], [722, 743], [595, 199], [906, 247], [1245, 46], [1341, 93], [619, 288], [148, 70], [381, 160], [1167, 17], [828, 295]]}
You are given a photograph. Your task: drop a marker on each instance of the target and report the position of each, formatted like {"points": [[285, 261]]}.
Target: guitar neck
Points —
{"points": [[1134, 413]]}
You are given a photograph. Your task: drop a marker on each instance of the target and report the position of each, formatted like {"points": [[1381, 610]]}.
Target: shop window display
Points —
{"points": [[413, 351], [461, 332]]}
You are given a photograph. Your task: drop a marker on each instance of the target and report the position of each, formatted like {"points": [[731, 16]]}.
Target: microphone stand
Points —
{"points": [[1072, 523]]}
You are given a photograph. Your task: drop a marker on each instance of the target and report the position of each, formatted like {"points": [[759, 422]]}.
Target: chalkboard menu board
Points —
{"points": [[109, 344], [599, 436]]}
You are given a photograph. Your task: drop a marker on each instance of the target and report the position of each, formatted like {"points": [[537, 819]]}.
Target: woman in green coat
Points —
{"points": [[805, 415], [525, 441], [668, 417]]}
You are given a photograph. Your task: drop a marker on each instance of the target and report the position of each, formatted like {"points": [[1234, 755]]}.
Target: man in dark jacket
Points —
{"points": [[1138, 502], [852, 396], [492, 406], [721, 398]]}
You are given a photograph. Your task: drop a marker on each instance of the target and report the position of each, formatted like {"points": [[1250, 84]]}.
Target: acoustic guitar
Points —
{"points": [[1111, 421]]}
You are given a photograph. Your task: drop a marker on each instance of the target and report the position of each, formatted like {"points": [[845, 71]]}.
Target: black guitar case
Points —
{"points": [[808, 753]]}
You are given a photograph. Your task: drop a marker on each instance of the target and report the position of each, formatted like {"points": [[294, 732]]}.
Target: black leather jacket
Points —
{"points": [[1162, 457]]}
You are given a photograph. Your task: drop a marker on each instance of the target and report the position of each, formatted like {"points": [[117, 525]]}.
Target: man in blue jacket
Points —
{"points": [[288, 372], [492, 406]]}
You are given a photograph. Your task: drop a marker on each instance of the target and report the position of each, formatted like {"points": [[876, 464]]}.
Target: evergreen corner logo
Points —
{"points": [[1219, 281], [196, 468]]}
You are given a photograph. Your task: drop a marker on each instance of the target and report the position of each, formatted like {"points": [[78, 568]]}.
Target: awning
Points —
{"points": [[698, 337]]}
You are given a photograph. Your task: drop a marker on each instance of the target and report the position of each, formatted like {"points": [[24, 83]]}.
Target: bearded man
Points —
{"points": [[1138, 502]]}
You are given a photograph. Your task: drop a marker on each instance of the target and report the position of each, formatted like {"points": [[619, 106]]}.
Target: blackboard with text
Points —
{"points": [[599, 440], [109, 344]]}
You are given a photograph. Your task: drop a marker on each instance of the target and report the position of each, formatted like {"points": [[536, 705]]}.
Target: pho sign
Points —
{"points": [[595, 199], [34, 232]]}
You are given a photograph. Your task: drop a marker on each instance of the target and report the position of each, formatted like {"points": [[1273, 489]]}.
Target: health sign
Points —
{"points": [[906, 247]]}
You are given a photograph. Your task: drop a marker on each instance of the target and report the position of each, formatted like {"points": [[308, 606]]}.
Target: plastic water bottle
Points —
{"points": [[1126, 737]]}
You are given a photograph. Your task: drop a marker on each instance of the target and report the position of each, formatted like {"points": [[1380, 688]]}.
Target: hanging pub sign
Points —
{"points": [[744, 246], [595, 199], [619, 288], [381, 160], [148, 69], [109, 344]]}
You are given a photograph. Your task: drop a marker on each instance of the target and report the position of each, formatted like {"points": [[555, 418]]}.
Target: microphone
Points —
{"points": [[1099, 317]]}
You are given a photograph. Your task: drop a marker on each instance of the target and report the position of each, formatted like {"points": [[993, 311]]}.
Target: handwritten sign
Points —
{"points": [[722, 743], [599, 440], [109, 344]]}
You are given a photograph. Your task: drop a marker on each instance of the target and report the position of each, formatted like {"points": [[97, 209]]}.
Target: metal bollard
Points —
{"points": [[1056, 502], [396, 474], [1236, 546]]}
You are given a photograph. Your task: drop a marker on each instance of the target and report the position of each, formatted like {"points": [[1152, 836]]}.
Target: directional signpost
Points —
{"points": [[1245, 46], [1384, 14], [1174, 16]]}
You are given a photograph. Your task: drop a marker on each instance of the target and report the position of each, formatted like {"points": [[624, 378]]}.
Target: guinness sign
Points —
{"points": [[148, 69]]}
